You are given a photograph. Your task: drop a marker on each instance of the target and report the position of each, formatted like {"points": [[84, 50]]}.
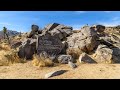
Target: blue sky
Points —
{"points": [[22, 20]]}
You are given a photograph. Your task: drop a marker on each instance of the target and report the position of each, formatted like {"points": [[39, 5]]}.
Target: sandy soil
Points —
{"points": [[83, 71]]}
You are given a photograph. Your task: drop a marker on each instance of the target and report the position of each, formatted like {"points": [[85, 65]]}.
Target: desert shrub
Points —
{"points": [[41, 61], [10, 57], [5, 46], [76, 31], [75, 53]]}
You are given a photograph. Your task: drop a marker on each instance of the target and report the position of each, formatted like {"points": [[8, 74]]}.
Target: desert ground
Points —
{"points": [[83, 71]]}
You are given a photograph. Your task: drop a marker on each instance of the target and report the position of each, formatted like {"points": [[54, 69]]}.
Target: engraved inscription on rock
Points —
{"points": [[49, 44]]}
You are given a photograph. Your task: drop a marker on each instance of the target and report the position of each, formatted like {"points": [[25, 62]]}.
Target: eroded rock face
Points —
{"points": [[50, 44], [27, 49], [116, 55], [84, 41], [112, 43], [112, 40], [103, 54], [88, 32], [16, 44]]}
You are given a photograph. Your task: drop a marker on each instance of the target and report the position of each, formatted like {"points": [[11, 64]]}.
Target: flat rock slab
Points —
{"points": [[49, 44], [54, 73], [51, 26]]}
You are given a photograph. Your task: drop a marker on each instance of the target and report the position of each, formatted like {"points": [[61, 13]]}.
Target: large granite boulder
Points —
{"points": [[103, 54], [84, 41], [34, 31], [116, 55], [100, 28]]}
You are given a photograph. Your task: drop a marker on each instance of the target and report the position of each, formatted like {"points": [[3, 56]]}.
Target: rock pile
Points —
{"points": [[61, 43], [84, 41], [50, 40]]}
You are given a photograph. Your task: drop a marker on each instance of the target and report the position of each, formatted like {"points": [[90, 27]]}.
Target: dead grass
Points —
{"points": [[76, 31], [75, 53], [42, 62], [13, 57], [5, 46], [17, 37], [10, 57], [83, 71]]}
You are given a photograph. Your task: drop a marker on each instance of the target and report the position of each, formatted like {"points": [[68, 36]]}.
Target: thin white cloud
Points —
{"points": [[112, 23], [111, 11], [7, 24], [80, 11], [108, 11], [4, 23], [116, 18], [109, 24]]}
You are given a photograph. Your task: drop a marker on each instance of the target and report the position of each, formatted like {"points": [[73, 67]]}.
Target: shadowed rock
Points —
{"points": [[50, 44], [55, 73], [85, 58], [16, 44], [72, 65], [34, 31], [100, 28], [27, 49]]}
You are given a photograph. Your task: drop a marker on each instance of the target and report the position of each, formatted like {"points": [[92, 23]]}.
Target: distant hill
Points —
{"points": [[10, 33]]}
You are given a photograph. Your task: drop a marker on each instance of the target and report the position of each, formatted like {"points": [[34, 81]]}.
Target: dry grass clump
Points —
{"points": [[10, 57], [14, 58], [75, 53], [17, 37], [76, 31], [5, 46], [7, 55], [41, 61]]}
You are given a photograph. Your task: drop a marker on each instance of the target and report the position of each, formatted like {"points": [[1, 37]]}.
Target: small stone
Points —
{"points": [[63, 59]]}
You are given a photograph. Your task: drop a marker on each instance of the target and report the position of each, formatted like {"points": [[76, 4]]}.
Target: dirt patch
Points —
{"points": [[83, 71]]}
